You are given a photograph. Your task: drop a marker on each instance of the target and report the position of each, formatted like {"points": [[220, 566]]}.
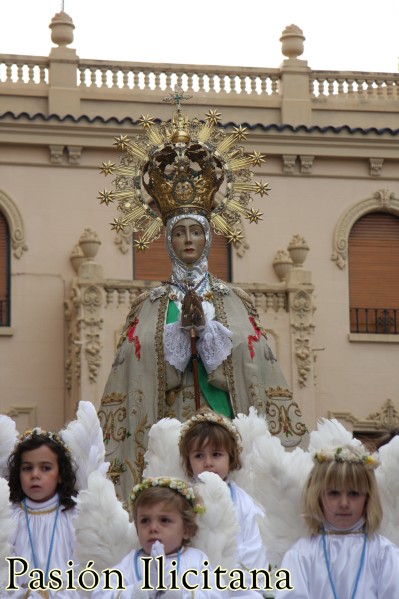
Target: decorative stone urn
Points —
{"points": [[298, 250], [62, 29], [89, 243], [282, 264], [77, 257], [292, 40]]}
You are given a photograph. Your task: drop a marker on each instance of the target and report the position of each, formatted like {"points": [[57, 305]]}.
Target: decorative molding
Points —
{"points": [[306, 164], [74, 154], [302, 308], [29, 412], [376, 166], [386, 419], [91, 298], [93, 346], [382, 200], [124, 239], [289, 161], [15, 224], [56, 154]]}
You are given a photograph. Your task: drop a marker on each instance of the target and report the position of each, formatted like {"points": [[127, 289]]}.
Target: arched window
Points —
{"points": [[154, 264], [373, 260], [4, 272]]}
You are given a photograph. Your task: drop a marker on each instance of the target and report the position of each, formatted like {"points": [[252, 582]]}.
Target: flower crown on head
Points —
{"points": [[174, 484], [214, 418], [38, 432], [352, 455]]}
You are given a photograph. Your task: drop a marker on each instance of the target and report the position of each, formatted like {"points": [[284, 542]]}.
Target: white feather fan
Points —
{"points": [[218, 526], [8, 439], [162, 457], [7, 527], [250, 427], [330, 434], [84, 438], [102, 528], [280, 476], [388, 483]]}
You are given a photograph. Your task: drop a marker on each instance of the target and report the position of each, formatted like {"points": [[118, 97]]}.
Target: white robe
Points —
{"points": [[41, 525], [379, 578], [250, 548], [190, 558]]}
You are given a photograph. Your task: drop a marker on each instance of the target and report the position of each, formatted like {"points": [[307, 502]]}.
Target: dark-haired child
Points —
{"points": [[42, 486]]}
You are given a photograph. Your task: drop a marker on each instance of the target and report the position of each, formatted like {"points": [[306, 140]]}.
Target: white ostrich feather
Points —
{"points": [[280, 476], [7, 528], [388, 483], [102, 528], [218, 526], [162, 457], [330, 434], [8, 439], [250, 427], [84, 438]]}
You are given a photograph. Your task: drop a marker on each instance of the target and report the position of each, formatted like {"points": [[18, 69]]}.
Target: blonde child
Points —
{"points": [[209, 442], [344, 557], [164, 514], [42, 480]]}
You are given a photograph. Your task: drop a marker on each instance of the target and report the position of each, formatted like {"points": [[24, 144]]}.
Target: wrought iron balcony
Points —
{"points": [[383, 321]]}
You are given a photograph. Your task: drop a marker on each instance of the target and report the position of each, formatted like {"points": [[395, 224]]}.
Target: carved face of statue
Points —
{"points": [[188, 240]]}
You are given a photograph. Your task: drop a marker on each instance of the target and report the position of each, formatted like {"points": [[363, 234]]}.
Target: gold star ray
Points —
{"points": [[257, 158], [107, 168], [254, 215], [106, 197], [118, 224], [262, 188], [235, 237]]}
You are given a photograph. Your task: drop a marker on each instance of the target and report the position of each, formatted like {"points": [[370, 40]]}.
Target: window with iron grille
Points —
{"points": [[373, 261]]}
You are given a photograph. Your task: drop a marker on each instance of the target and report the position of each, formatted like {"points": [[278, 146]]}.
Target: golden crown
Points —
{"points": [[180, 165]]}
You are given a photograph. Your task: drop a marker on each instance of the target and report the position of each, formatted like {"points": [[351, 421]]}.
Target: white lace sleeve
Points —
{"points": [[214, 344], [176, 346]]}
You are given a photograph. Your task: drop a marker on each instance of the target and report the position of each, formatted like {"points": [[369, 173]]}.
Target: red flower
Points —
{"points": [[252, 338], [134, 338]]}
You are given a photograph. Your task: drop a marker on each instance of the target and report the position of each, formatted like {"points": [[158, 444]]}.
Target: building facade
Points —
{"points": [[322, 266]]}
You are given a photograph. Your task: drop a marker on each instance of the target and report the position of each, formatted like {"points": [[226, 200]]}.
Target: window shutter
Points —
{"points": [[373, 260], [4, 272]]}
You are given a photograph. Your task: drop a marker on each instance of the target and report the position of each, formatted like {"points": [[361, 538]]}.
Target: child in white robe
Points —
{"points": [[344, 557], [164, 513], [42, 486], [209, 442]]}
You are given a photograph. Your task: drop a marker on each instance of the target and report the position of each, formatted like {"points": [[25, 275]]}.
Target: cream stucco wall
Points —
{"points": [[49, 174]]}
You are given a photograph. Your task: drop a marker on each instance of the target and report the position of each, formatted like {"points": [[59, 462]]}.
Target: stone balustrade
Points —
{"points": [[381, 86], [16, 71], [21, 71], [267, 298]]}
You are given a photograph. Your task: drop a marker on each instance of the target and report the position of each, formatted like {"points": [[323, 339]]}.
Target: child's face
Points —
{"points": [[39, 474], [343, 508], [209, 459], [159, 523]]}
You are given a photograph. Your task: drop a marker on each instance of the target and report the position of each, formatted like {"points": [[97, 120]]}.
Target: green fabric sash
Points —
{"points": [[217, 399]]}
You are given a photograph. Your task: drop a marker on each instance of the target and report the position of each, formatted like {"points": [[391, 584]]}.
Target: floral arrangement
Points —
{"points": [[38, 432], [175, 484], [216, 419], [349, 454]]}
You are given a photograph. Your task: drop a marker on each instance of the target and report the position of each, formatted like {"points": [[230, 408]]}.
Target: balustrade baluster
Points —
{"points": [[31, 73], [20, 73], [281, 303]]}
